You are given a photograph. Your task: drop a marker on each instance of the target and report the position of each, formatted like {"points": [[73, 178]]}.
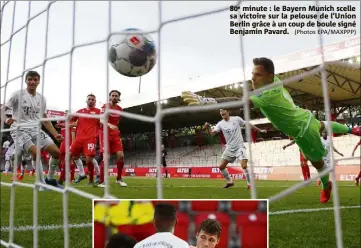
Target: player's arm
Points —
{"points": [[193, 99], [210, 131], [9, 105], [357, 145], [335, 150], [258, 129], [289, 144], [111, 126], [49, 126]]}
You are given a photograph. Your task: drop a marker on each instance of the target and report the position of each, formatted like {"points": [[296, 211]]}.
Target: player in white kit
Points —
{"points": [[235, 148], [165, 219], [327, 159], [29, 103], [9, 153]]}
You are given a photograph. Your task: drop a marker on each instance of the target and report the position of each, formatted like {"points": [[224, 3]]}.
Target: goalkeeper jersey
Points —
{"points": [[277, 105], [124, 213]]}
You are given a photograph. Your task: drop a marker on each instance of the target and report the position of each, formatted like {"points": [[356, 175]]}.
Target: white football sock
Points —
{"points": [[7, 166], [79, 165], [53, 163], [39, 170], [96, 167], [226, 175]]}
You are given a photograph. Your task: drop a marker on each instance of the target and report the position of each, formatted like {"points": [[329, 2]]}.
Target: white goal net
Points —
{"points": [[18, 45]]}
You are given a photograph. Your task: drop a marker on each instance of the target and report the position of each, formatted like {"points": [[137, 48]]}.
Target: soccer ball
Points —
{"points": [[132, 55]]}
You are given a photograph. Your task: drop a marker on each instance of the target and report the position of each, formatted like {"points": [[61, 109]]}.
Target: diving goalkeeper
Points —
{"points": [[277, 105]]}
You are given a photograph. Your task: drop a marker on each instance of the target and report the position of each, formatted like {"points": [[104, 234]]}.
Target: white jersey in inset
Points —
{"points": [[326, 145], [162, 240], [6, 144], [232, 132], [29, 107]]}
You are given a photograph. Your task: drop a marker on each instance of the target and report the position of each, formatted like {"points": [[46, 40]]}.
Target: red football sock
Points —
{"points": [[307, 169], [101, 179], [62, 170], [91, 171], [304, 173], [359, 175], [120, 166]]}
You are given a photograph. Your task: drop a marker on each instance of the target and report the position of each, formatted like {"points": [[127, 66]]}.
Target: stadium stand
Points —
{"points": [[266, 153]]}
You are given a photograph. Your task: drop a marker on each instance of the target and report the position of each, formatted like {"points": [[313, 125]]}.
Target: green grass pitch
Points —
{"points": [[302, 229]]}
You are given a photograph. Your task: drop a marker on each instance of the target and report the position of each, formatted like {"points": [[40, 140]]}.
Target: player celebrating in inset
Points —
{"points": [[208, 234], [120, 240], [115, 145], [277, 105], [357, 179], [235, 148], [304, 165], [165, 219], [86, 137], [29, 108]]}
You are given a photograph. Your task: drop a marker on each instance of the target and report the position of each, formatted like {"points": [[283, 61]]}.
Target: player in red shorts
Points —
{"points": [[115, 145], [357, 179], [304, 165], [72, 130], [86, 137]]}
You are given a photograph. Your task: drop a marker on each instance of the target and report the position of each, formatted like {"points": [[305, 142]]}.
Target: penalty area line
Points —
{"points": [[309, 210], [46, 227]]}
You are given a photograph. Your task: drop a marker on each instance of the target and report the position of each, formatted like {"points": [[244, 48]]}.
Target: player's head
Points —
{"points": [[120, 240], [208, 234], [224, 114], [162, 147], [91, 100], [263, 72], [324, 135], [114, 96], [165, 217], [32, 80]]}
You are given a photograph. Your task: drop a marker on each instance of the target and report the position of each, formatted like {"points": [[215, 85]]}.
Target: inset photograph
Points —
{"points": [[180, 223]]}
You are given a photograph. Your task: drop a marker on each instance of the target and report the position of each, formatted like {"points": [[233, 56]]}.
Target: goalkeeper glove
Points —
{"points": [[193, 99]]}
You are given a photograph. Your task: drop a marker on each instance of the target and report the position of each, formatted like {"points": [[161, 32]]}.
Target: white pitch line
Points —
{"points": [[308, 210], [199, 186], [47, 227]]}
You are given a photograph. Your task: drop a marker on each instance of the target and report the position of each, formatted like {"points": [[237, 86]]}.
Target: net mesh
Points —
{"points": [[161, 113]]}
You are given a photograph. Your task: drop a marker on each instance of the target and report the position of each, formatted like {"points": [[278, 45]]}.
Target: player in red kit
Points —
{"points": [[72, 130], [114, 140], [357, 179], [86, 136], [304, 165]]}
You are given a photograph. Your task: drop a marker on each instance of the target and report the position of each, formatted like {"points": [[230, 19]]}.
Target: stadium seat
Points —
{"points": [[223, 218], [209, 206], [100, 235], [247, 206], [181, 229], [252, 229]]}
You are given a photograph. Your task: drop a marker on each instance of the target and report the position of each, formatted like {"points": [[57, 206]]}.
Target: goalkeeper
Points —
{"points": [[277, 105]]}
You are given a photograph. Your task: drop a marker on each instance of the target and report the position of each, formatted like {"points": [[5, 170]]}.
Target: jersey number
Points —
{"points": [[91, 146]]}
